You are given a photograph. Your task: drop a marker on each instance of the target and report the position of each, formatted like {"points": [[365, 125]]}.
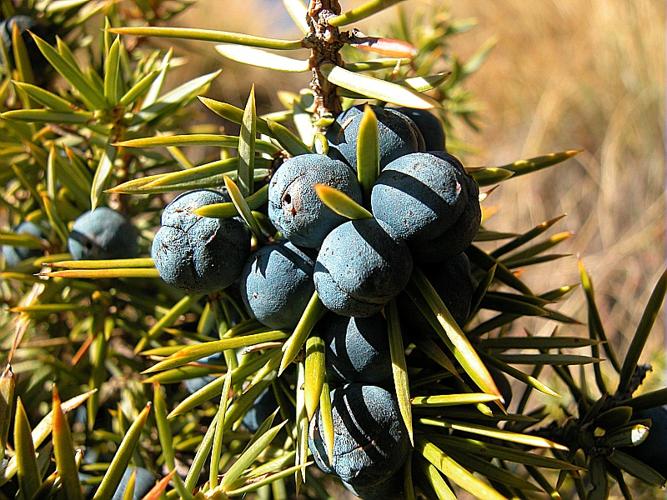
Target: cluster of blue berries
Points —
{"points": [[425, 209]]}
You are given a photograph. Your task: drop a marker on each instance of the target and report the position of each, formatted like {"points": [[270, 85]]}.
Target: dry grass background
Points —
{"points": [[586, 74]]}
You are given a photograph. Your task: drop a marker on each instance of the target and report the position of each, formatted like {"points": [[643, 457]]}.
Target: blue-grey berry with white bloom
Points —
{"points": [[357, 349], [397, 135], [199, 254], [294, 207], [14, 255], [370, 439], [102, 233], [277, 283], [360, 268]]}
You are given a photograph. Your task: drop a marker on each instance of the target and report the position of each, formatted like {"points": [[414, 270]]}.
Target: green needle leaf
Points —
{"points": [[486, 176], [314, 311], [112, 73], [399, 367], [210, 36], [194, 352], [374, 88], [341, 203], [138, 89], [171, 316], [636, 468], [523, 167], [48, 116], [453, 337], [102, 175], [249, 456], [525, 238], [256, 484], [63, 449], [42, 431], [247, 138], [315, 373], [89, 94], [20, 240], [288, 140], [105, 264], [648, 400], [536, 342], [263, 59], [28, 473], [377, 64], [436, 481], [368, 152], [21, 57], [223, 141], [513, 437], [228, 210], [469, 398], [7, 388], [595, 327], [134, 272], [44, 97], [641, 334], [361, 12], [121, 459], [327, 420], [455, 472], [243, 209]]}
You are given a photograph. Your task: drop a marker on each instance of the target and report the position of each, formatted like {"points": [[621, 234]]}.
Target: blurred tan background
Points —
{"points": [[565, 74]]}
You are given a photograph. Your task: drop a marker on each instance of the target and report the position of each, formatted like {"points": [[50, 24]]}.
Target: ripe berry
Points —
{"points": [[199, 254], [419, 195], [429, 126], [360, 268], [14, 255], [294, 207], [276, 284], [397, 135], [370, 440], [102, 233], [357, 349]]}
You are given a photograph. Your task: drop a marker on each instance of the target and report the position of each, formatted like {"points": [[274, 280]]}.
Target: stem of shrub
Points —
{"points": [[325, 42]]}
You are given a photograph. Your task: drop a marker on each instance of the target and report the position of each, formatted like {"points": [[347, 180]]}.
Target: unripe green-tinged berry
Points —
{"points": [[429, 126], [14, 255], [419, 195], [276, 284], [199, 254], [360, 268], [357, 349], [397, 135], [652, 450], [264, 405], [370, 439], [102, 233], [294, 207]]}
